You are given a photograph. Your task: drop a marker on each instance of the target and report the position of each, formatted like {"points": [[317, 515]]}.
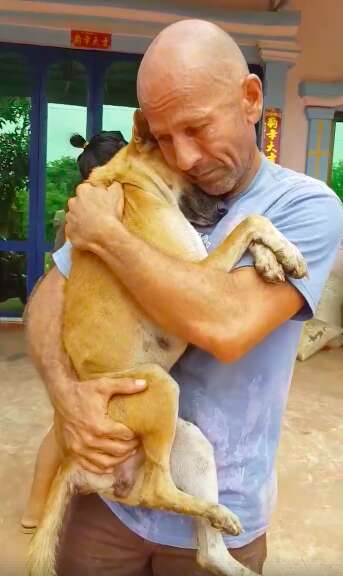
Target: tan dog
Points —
{"points": [[106, 333]]}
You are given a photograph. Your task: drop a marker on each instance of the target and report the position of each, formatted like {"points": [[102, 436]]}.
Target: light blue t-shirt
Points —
{"points": [[239, 406]]}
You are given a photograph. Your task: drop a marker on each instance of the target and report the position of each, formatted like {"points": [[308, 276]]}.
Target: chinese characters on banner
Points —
{"points": [[272, 133], [90, 40]]}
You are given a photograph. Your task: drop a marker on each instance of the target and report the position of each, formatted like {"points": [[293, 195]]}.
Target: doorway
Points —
{"points": [[48, 95]]}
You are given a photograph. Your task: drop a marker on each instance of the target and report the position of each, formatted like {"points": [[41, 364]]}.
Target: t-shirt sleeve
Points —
{"points": [[62, 258], [313, 220]]}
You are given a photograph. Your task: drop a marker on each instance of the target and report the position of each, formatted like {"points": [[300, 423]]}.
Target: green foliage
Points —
{"points": [[61, 178], [14, 165], [337, 179], [61, 175]]}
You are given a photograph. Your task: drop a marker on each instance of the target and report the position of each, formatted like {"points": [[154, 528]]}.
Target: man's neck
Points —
{"points": [[249, 174]]}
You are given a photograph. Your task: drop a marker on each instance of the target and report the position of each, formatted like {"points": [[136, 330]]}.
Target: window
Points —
{"points": [[14, 147], [67, 92], [120, 99]]}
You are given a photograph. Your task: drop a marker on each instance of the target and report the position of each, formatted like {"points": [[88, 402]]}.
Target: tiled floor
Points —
{"points": [[306, 535]]}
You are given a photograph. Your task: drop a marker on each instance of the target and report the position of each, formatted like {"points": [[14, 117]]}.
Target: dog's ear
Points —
{"points": [[141, 134]]}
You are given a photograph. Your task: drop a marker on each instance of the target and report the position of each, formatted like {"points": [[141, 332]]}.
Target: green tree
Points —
{"points": [[337, 179], [14, 166], [61, 178], [61, 175]]}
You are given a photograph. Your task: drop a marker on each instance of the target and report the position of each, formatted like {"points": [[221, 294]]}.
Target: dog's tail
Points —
{"points": [[42, 549]]}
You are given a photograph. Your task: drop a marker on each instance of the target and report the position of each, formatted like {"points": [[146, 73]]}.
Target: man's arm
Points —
{"points": [[94, 439], [44, 327], [224, 313]]}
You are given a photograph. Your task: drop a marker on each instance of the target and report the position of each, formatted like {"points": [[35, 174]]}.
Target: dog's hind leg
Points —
{"points": [[152, 415], [194, 471]]}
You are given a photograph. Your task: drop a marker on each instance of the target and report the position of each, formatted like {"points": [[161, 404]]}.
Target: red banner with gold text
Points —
{"points": [[90, 40], [272, 133]]}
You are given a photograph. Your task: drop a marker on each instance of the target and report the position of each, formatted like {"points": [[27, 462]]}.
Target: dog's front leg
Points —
{"points": [[274, 255], [194, 471]]}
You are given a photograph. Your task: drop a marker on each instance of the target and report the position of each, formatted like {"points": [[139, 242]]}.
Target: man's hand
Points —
{"points": [[92, 213], [85, 430]]}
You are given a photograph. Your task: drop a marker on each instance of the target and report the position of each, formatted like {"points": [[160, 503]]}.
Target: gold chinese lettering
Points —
{"points": [[272, 122], [77, 40], [95, 41], [271, 148], [272, 156], [272, 134]]}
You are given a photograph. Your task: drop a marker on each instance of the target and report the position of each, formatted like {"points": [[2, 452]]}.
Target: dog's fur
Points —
{"points": [[107, 333]]}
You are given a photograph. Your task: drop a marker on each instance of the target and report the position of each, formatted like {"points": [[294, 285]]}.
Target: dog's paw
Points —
{"points": [[225, 520], [217, 560], [292, 260], [266, 263], [286, 253], [276, 257]]}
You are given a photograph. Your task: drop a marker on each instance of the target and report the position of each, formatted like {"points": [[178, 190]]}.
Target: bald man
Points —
{"points": [[202, 105]]}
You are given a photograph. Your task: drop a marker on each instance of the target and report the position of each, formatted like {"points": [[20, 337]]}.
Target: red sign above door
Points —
{"points": [[90, 40]]}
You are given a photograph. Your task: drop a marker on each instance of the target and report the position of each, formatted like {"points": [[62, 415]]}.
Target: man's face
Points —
{"points": [[204, 132]]}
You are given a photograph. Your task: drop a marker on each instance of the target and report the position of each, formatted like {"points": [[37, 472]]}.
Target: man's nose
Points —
{"points": [[187, 154]]}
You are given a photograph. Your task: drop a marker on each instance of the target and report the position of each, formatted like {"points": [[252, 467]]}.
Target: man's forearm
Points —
{"points": [[44, 334], [183, 297]]}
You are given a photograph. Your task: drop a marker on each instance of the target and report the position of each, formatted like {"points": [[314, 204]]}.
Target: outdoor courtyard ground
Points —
{"points": [[306, 535]]}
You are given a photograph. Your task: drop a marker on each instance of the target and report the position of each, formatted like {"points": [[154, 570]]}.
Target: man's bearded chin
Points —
{"points": [[222, 187]]}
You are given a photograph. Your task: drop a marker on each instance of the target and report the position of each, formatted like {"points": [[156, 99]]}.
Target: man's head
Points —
{"points": [[201, 104]]}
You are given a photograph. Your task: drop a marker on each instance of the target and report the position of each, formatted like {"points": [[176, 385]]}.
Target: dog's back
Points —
{"points": [[105, 331]]}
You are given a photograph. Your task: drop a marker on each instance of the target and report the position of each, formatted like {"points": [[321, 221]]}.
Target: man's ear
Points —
{"points": [[141, 134], [253, 97]]}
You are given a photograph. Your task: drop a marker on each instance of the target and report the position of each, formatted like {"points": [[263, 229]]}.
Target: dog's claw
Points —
{"points": [[274, 265], [227, 521], [292, 261], [266, 263]]}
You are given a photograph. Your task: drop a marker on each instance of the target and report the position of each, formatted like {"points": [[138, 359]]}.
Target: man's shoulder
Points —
{"points": [[288, 188], [309, 214], [288, 181]]}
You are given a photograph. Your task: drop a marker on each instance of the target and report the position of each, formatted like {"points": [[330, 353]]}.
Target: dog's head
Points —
{"points": [[198, 207], [142, 161]]}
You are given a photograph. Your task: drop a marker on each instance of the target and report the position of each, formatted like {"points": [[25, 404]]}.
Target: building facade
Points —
{"points": [[71, 67]]}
